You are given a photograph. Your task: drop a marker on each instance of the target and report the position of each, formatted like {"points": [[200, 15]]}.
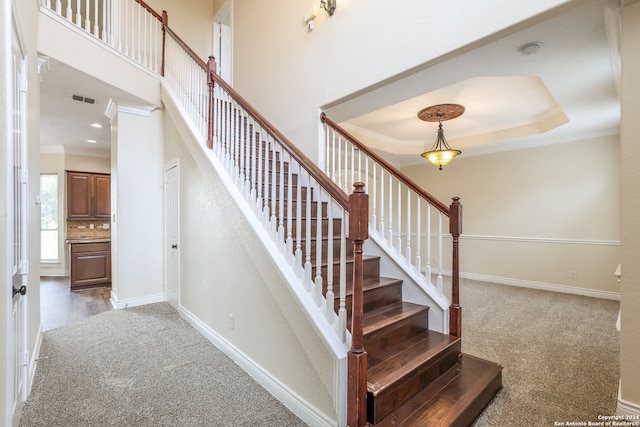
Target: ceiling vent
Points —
{"points": [[83, 99]]}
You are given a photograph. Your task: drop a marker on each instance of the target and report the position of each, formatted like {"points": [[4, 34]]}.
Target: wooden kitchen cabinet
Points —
{"points": [[88, 196], [90, 265]]}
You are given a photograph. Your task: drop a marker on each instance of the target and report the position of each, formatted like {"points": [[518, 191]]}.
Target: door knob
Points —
{"points": [[22, 290], [174, 246]]}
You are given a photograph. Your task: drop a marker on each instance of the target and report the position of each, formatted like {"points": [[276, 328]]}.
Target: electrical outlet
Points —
{"points": [[232, 322], [92, 226], [573, 274]]}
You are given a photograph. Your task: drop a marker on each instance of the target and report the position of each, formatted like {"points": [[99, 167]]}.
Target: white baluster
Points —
{"points": [[333, 158], [418, 232], [289, 245], [259, 188], [281, 230], [96, 27], [307, 261], [382, 203], [298, 252], [440, 253], [399, 205], [272, 185], [373, 190], [329, 310], [318, 279], [343, 275], [87, 17], [408, 250], [391, 210], [428, 268]]}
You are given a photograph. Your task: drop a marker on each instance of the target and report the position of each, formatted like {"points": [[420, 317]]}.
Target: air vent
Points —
{"points": [[83, 99]]}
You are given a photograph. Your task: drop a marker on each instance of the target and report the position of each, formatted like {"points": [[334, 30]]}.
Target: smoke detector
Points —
{"points": [[530, 48]]}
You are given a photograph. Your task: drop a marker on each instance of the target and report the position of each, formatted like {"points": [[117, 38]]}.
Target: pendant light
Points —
{"points": [[440, 153]]}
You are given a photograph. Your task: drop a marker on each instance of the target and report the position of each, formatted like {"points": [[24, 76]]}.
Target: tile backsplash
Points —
{"points": [[93, 229]]}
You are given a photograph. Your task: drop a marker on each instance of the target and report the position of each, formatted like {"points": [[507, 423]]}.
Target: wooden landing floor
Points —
{"points": [[59, 306]]}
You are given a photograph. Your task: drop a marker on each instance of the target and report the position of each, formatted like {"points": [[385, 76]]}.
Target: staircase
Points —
{"points": [[416, 376]]}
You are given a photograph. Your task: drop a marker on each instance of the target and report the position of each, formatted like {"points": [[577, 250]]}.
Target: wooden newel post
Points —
{"points": [[211, 70], [165, 23], [455, 228], [357, 357]]}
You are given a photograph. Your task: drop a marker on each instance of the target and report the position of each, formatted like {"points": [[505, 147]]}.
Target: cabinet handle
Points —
{"points": [[174, 246]]}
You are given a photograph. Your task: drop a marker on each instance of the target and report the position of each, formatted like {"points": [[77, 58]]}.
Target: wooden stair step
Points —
{"points": [[406, 368], [392, 324], [378, 292], [455, 399]]}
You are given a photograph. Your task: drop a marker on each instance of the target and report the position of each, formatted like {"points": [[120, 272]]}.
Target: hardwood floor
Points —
{"points": [[59, 306]]}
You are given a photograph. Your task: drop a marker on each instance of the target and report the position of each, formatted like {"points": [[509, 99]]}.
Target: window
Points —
{"points": [[49, 217]]}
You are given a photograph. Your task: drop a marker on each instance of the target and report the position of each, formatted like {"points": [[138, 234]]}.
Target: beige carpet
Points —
{"points": [[139, 367], [560, 353], [146, 366]]}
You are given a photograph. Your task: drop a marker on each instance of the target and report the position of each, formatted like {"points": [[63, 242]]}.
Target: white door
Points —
{"points": [[172, 233], [222, 42], [17, 253]]}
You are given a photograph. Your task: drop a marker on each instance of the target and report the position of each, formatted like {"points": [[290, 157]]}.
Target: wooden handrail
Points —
{"points": [[186, 48], [388, 166], [150, 10]]}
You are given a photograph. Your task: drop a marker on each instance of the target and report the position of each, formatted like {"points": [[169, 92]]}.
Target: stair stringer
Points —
{"points": [[328, 332], [415, 287]]}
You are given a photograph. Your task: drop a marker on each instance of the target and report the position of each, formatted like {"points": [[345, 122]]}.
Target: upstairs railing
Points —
{"points": [[404, 217], [130, 27]]}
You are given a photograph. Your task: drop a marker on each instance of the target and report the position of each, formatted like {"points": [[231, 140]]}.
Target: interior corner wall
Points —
{"points": [[225, 271], [630, 146], [531, 217], [137, 208]]}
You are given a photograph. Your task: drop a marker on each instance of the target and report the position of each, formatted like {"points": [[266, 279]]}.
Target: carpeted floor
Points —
{"points": [[560, 353], [143, 366]]}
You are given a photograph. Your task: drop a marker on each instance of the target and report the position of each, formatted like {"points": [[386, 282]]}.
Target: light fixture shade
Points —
{"points": [[440, 158]]}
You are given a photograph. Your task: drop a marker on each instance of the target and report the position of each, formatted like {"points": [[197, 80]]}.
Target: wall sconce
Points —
{"points": [[440, 153], [329, 6]]}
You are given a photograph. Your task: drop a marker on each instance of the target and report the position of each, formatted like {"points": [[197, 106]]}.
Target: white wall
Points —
{"points": [[136, 205], [224, 270], [533, 216], [192, 21]]}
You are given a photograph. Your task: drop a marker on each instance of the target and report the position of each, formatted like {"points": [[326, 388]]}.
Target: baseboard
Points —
{"points": [[303, 409], [33, 361], [543, 286], [628, 409], [134, 302]]}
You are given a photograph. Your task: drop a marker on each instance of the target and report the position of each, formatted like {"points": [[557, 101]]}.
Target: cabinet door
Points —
{"points": [[90, 265], [79, 204], [102, 187]]}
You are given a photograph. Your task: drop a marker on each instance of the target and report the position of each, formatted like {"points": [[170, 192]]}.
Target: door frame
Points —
{"points": [[171, 226], [17, 356], [223, 41]]}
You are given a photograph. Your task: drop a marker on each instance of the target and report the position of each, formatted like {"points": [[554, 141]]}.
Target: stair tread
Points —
{"points": [[383, 316], [456, 398], [403, 359], [370, 283]]}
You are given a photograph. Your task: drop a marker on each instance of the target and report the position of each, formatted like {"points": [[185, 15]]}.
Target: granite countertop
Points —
{"points": [[75, 240]]}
